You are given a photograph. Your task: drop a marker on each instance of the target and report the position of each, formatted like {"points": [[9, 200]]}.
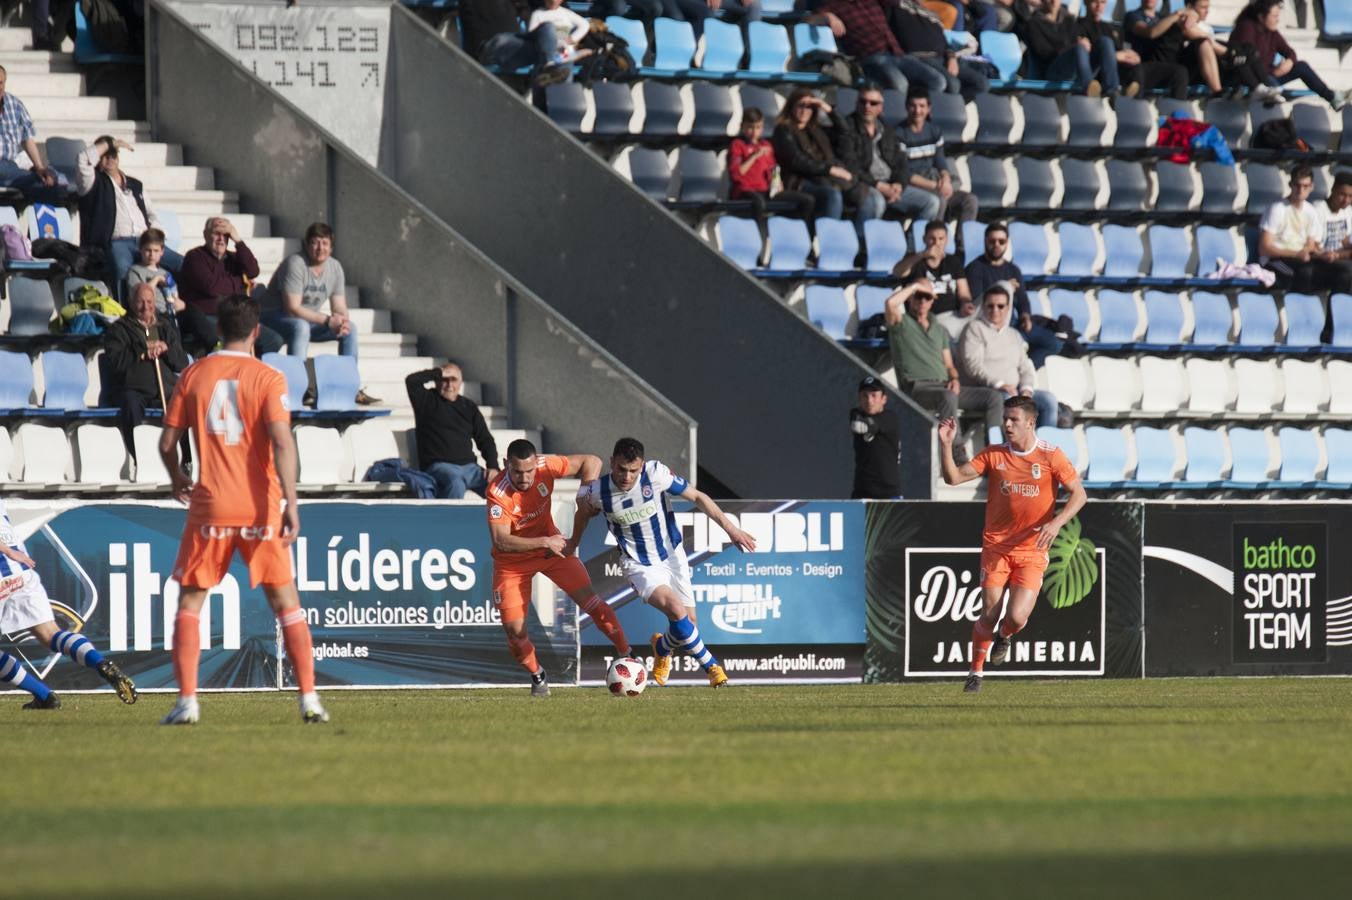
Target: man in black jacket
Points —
{"points": [[142, 360], [877, 444], [870, 149], [445, 422]]}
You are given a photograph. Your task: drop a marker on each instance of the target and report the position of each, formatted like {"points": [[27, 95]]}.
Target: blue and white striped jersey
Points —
{"points": [[640, 518], [9, 567]]}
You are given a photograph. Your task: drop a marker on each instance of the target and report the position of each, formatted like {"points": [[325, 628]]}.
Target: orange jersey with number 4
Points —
{"points": [[1020, 491], [228, 399], [529, 512]]}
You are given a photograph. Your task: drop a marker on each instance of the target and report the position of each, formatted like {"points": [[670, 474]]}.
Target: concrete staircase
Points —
{"points": [[52, 88]]}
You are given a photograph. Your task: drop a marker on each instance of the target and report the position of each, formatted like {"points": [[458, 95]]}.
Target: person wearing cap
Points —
{"points": [[922, 355], [877, 444], [992, 354]]}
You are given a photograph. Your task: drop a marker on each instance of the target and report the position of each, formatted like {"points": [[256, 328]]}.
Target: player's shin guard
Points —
{"points": [[77, 647], [683, 636], [982, 636], [606, 622], [523, 651], [17, 674], [187, 649], [299, 649]]}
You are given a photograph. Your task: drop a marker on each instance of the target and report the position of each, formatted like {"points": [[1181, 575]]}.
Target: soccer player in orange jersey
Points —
{"points": [[1023, 475], [526, 542], [238, 410]]}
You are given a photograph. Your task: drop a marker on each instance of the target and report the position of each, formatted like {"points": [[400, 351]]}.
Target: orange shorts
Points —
{"points": [[511, 582], [205, 552], [1017, 568]]}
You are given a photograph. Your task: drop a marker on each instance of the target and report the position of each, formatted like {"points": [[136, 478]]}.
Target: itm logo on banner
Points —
{"points": [[1280, 592], [151, 592], [1064, 635]]}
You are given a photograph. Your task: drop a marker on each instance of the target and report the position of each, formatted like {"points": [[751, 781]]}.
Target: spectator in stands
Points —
{"points": [[991, 354], [17, 135], [696, 11], [307, 297], [1291, 239], [1335, 251], [1058, 52], [1257, 25], [924, 142], [870, 149], [569, 30], [751, 166], [1135, 74], [941, 269], [142, 361], [51, 19], [921, 37], [114, 208], [992, 267], [862, 30], [1184, 38], [922, 355], [877, 444], [491, 32], [148, 271], [976, 16], [211, 272], [643, 10], [445, 422], [807, 161]]}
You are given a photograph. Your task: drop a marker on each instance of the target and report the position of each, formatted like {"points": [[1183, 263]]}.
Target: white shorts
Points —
{"points": [[26, 607], [672, 572]]}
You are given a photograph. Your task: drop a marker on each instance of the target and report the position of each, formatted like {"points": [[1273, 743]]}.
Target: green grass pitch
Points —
{"points": [[1083, 789]]}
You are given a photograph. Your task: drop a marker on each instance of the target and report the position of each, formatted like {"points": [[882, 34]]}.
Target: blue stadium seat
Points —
{"points": [[650, 172], [1030, 247], [1073, 304], [1258, 322], [1205, 448], [1082, 186], [827, 309], [1041, 121], [813, 39], [1304, 323], [1212, 244], [1337, 23], [886, 243], [770, 50], [16, 384], [336, 384], [1065, 439], [949, 112], [989, 181], [567, 105], [1340, 307], [170, 225], [1338, 449], [1312, 124], [777, 7], [1164, 320], [1079, 250], [1127, 186], [1300, 459], [894, 106], [614, 109], [1170, 250], [1004, 52], [790, 245], [1117, 317], [701, 175], [675, 46], [740, 241], [1267, 185], [1249, 454], [663, 110], [63, 155], [633, 33], [1088, 118], [1124, 252], [1036, 183], [31, 306], [755, 96], [973, 239], [1107, 457], [1175, 187], [1231, 118], [1212, 320], [1156, 457], [1220, 188], [65, 378], [870, 299], [1135, 121], [723, 48], [293, 370], [837, 245], [847, 100], [995, 119], [713, 112]]}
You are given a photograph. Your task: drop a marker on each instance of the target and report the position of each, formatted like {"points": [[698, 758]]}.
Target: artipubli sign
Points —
{"points": [[1281, 588]]}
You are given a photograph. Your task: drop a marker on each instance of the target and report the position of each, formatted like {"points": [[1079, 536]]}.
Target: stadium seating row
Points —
{"points": [[1193, 458]]}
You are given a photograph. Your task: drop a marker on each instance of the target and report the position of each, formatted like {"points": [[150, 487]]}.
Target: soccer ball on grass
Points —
{"points": [[627, 677]]}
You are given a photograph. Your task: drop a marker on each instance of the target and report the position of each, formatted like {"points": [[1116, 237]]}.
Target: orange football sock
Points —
{"points": [[299, 649], [524, 652], [1009, 629], [187, 648], [607, 622], [982, 636]]}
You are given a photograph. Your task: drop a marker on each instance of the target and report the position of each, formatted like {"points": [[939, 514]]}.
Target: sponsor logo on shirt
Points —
{"points": [[1020, 489], [647, 492], [495, 512], [1037, 471], [542, 489]]}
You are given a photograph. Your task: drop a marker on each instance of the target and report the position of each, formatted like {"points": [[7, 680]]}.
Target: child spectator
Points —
{"points": [[751, 168], [149, 271]]}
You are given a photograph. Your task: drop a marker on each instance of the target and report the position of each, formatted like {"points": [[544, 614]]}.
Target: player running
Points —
{"points": [[24, 606], [635, 500], [237, 407], [526, 542], [1024, 474]]}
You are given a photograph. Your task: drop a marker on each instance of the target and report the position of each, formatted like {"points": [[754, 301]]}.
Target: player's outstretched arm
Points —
{"points": [[180, 486], [953, 473], [584, 466], [705, 504], [1047, 533], [286, 459], [506, 542]]}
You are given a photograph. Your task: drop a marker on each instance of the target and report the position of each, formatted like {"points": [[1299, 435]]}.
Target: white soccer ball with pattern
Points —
{"points": [[627, 677]]}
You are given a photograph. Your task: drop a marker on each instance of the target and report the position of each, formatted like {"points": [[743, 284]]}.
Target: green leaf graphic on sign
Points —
{"points": [[1072, 568]]}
